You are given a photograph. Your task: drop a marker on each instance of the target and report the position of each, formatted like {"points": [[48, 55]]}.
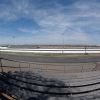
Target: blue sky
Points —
{"points": [[44, 22]]}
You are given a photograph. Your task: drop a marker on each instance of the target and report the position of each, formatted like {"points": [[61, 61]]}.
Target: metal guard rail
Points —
{"points": [[46, 69]]}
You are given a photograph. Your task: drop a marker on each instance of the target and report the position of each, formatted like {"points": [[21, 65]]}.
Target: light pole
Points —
{"points": [[13, 40], [63, 39]]}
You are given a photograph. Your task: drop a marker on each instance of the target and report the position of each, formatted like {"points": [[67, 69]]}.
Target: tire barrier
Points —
{"points": [[27, 85]]}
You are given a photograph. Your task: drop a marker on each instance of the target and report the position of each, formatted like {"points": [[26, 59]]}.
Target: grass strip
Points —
{"points": [[51, 54]]}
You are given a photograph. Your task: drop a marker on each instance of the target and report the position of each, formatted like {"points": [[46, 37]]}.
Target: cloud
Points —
{"points": [[27, 31], [77, 21]]}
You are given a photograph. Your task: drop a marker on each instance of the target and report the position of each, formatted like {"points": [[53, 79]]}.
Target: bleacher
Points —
{"points": [[23, 85], [48, 85]]}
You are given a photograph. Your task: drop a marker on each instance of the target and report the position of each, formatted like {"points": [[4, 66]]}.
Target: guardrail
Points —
{"points": [[15, 65], [83, 51]]}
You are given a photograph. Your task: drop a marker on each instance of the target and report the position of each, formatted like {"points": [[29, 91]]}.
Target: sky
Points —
{"points": [[50, 22]]}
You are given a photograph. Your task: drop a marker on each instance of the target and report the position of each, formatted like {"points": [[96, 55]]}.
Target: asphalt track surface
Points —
{"points": [[52, 59]]}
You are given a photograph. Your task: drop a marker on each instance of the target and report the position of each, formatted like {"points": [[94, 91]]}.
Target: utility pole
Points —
{"points": [[13, 40], [63, 39]]}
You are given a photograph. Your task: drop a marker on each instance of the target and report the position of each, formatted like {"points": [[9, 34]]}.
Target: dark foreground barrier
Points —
{"points": [[28, 85]]}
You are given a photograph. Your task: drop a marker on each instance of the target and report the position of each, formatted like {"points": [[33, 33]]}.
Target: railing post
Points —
{"points": [[64, 68], [19, 67], [29, 66], [82, 68], [46, 68], [1, 64]]}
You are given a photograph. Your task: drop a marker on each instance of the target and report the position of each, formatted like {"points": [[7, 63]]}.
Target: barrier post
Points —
{"points": [[19, 67], [1, 64], [64, 68], [82, 68], [46, 68], [29, 65]]}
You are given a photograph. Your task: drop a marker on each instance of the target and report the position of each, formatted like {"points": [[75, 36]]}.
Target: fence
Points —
{"points": [[58, 86], [15, 65]]}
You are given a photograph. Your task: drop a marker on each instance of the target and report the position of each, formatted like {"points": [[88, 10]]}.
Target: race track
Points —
{"points": [[52, 59]]}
